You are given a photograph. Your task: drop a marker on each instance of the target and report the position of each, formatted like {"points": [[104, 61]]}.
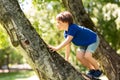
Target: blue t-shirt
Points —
{"points": [[81, 36]]}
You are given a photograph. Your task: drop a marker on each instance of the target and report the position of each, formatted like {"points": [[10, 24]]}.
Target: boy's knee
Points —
{"points": [[79, 55], [87, 55]]}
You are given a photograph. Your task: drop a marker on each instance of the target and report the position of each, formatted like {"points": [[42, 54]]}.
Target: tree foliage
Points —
{"points": [[7, 51], [106, 16]]}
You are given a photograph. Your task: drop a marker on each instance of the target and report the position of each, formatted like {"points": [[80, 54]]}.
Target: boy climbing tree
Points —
{"points": [[86, 40]]}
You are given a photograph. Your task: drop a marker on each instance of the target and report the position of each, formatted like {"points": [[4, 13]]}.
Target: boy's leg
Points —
{"points": [[94, 72], [88, 56], [88, 61], [88, 53], [81, 58], [91, 60]]}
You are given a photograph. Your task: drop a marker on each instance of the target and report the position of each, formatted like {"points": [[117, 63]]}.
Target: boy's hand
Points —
{"points": [[52, 48]]}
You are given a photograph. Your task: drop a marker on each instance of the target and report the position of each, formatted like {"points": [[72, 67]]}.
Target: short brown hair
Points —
{"points": [[65, 17]]}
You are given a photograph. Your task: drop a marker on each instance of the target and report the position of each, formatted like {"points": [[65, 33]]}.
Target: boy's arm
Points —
{"points": [[64, 43], [67, 52]]}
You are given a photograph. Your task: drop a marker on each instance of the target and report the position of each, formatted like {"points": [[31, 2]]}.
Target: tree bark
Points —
{"points": [[108, 57], [48, 65]]}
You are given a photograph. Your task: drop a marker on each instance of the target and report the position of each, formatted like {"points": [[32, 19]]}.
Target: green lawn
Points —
{"points": [[26, 75], [21, 75]]}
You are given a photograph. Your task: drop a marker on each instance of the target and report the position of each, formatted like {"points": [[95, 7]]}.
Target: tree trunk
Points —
{"points": [[108, 57], [48, 65]]}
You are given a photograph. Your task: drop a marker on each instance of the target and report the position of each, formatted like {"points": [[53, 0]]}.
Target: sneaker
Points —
{"points": [[97, 73], [91, 72]]}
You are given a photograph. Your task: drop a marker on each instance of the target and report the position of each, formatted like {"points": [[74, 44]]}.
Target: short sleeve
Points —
{"points": [[72, 30], [65, 34]]}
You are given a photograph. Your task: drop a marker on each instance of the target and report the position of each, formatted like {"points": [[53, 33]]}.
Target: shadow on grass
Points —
{"points": [[20, 75]]}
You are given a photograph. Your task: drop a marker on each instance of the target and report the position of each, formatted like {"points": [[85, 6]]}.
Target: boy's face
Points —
{"points": [[61, 25]]}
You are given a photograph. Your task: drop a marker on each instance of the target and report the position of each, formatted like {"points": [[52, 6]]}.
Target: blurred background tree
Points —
{"points": [[106, 16], [8, 55]]}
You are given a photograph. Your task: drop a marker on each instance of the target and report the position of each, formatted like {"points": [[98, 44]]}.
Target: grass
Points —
{"points": [[26, 75], [21, 75]]}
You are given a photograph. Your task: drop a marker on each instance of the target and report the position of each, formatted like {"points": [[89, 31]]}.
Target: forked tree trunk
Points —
{"points": [[108, 57], [47, 65]]}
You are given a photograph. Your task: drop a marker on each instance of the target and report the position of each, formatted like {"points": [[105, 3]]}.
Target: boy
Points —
{"points": [[86, 39]]}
